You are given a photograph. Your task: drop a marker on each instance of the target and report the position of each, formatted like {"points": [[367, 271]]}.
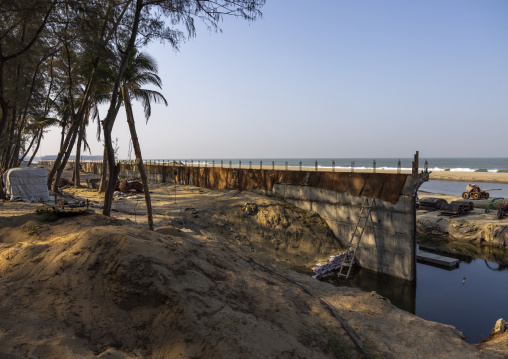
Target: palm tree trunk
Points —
{"points": [[137, 151], [29, 147], [104, 172], [64, 156], [7, 157], [108, 121], [77, 161], [39, 139]]}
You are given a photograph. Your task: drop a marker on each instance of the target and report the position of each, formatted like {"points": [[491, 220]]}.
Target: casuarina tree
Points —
{"points": [[149, 22]]}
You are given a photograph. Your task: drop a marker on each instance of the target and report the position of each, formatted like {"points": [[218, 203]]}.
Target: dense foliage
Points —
{"points": [[60, 59]]}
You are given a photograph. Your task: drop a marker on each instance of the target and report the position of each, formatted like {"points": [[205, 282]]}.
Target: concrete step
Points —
{"points": [[426, 257]]}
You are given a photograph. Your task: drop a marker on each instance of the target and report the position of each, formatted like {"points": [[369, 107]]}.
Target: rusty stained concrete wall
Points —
{"points": [[387, 245]]}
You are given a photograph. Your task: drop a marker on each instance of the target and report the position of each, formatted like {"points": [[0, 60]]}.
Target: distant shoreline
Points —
{"points": [[470, 176]]}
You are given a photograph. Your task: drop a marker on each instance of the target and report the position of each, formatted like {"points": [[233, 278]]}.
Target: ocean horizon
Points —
{"points": [[466, 164], [458, 164]]}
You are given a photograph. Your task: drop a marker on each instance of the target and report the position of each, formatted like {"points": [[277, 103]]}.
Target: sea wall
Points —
{"points": [[388, 242], [386, 245]]}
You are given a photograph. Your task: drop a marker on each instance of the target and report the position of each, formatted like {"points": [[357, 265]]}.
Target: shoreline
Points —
{"points": [[470, 176]]}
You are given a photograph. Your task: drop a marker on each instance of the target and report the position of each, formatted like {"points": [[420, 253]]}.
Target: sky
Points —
{"points": [[331, 79]]}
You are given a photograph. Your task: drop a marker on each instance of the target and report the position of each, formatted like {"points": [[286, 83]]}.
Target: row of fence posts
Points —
{"points": [[286, 165]]}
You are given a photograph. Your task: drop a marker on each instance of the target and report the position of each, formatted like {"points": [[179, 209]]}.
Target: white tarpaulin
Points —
{"points": [[26, 184]]}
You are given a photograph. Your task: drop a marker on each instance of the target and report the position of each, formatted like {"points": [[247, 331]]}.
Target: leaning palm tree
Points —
{"points": [[141, 70]]}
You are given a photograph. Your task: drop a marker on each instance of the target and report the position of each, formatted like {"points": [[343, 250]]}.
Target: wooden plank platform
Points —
{"points": [[426, 257]]}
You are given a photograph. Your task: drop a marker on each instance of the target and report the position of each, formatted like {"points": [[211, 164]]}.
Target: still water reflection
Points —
{"points": [[472, 297]]}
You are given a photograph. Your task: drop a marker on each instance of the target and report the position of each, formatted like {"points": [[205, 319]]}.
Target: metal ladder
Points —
{"points": [[356, 236], [233, 180]]}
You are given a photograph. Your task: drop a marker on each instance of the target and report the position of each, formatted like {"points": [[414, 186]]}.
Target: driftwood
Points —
{"points": [[126, 186]]}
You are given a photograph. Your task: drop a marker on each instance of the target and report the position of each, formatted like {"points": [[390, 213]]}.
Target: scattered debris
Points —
{"points": [[503, 211], [334, 264], [64, 182], [250, 208], [93, 183], [58, 211], [125, 186], [431, 203], [456, 208], [75, 204], [467, 204]]}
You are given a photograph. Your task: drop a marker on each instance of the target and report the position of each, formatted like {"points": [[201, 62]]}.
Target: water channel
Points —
{"points": [[471, 297], [457, 187]]}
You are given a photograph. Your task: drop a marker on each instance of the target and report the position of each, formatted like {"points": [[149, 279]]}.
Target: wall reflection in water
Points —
{"points": [[471, 297], [466, 252], [402, 293]]}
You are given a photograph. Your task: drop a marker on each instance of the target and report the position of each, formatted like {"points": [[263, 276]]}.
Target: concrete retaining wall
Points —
{"points": [[388, 242], [386, 245]]}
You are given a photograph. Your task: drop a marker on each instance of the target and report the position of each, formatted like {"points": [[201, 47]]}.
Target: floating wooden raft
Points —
{"points": [[426, 257]]}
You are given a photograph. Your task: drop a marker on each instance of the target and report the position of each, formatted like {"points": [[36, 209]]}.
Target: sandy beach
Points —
{"points": [[221, 277], [470, 176]]}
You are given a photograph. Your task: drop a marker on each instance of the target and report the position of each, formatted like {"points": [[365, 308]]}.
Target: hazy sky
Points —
{"points": [[333, 78]]}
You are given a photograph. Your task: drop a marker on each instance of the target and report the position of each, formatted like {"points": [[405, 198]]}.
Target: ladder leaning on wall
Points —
{"points": [[356, 237]]}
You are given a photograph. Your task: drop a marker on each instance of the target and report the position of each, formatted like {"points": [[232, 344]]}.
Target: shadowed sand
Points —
{"points": [[95, 286]]}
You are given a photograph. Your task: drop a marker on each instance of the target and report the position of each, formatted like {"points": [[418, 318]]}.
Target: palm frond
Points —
{"points": [[147, 97]]}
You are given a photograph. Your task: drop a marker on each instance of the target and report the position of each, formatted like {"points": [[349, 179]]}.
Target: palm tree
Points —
{"points": [[141, 70]]}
